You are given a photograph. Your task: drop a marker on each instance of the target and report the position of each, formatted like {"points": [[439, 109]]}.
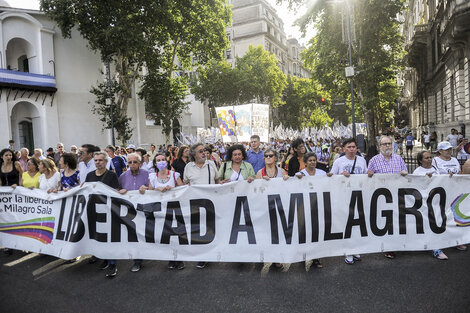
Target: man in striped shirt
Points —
{"points": [[386, 162]]}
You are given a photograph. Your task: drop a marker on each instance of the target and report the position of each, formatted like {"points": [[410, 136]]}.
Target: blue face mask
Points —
{"points": [[161, 165]]}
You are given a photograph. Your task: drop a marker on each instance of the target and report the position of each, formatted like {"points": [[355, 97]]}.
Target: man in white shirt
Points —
{"points": [[426, 140], [87, 164], [200, 171], [349, 163], [453, 138]]}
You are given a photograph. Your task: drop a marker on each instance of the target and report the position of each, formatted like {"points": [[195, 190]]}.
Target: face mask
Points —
{"points": [[161, 165]]}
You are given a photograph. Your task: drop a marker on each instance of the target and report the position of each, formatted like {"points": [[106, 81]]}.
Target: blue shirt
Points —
{"points": [[256, 159]]}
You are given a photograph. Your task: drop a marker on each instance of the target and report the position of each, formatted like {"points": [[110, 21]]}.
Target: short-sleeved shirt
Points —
{"points": [[423, 171], [343, 164], [446, 166], [255, 159], [409, 140], [195, 175], [70, 181], [49, 183], [318, 172], [378, 164], [172, 178], [108, 178], [31, 182], [117, 164], [130, 181]]}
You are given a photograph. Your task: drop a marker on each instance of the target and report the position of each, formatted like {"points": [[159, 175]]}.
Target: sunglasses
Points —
{"points": [[133, 162], [269, 156], [201, 151]]}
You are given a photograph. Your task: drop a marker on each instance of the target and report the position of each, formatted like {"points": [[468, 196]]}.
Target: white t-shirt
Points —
{"points": [[237, 176], [423, 171], [51, 183], [427, 138], [318, 172], [452, 139], [462, 154], [344, 164], [171, 182], [446, 167]]}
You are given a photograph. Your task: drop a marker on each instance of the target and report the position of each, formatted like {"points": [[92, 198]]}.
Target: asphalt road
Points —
{"points": [[413, 282]]}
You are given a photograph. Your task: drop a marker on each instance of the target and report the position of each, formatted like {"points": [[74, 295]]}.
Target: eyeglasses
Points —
{"points": [[386, 144], [201, 151], [269, 156], [133, 162]]}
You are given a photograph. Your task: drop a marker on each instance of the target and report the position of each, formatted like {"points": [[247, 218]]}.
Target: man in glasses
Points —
{"points": [[85, 158], [386, 162], [200, 171], [134, 179]]}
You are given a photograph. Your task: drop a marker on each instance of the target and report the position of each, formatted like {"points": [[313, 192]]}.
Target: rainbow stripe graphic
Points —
{"points": [[460, 218], [41, 229]]}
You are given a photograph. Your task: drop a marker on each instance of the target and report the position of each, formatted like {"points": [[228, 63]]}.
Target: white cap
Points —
{"points": [[444, 145], [131, 146]]}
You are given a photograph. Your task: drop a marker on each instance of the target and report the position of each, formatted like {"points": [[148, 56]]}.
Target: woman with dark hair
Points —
{"points": [[211, 155], [31, 176], [50, 177], [182, 158], [10, 169], [235, 169], [296, 163], [310, 159], [286, 158], [69, 177], [164, 178]]}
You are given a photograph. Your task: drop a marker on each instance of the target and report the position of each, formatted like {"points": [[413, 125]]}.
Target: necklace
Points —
{"points": [[163, 180], [275, 173]]}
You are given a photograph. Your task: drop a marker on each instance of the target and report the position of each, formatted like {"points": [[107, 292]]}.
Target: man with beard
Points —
{"points": [[386, 162], [200, 171]]}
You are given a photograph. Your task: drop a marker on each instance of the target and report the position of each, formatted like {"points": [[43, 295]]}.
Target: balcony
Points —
{"points": [[456, 27], [27, 81], [417, 49]]}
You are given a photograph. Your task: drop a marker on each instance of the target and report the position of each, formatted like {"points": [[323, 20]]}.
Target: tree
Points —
{"points": [[258, 77], [255, 76], [302, 105], [144, 33], [196, 34], [377, 55]]}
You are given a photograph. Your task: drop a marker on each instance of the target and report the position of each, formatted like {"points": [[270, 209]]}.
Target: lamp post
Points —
{"points": [[350, 69], [108, 99]]}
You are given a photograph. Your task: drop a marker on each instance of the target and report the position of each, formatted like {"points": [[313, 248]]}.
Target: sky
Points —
{"points": [[283, 12]]}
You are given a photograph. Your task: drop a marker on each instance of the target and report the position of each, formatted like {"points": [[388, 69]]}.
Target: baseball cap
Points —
{"points": [[444, 145], [131, 146]]}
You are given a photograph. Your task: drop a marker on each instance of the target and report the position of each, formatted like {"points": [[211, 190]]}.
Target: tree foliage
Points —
{"points": [[196, 35], [255, 76], [377, 54], [155, 34], [302, 105]]}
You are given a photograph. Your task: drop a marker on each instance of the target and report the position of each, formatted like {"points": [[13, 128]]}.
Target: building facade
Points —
{"points": [[436, 83], [255, 22], [45, 83]]}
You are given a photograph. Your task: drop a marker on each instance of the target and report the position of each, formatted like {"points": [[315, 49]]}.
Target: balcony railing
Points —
{"points": [[30, 81]]}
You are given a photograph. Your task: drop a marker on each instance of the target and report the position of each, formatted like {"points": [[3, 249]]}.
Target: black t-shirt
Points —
{"points": [[108, 178], [179, 165]]}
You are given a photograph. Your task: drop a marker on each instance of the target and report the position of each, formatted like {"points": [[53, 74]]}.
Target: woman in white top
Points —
{"points": [[427, 168], [163, 179], [50, 177], [310, 160]]}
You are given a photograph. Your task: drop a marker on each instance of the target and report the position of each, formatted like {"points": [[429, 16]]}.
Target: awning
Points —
{"points": [[28, 81]]}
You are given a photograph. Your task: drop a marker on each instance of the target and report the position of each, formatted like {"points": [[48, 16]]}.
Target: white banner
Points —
{"points": [[272, 221]]}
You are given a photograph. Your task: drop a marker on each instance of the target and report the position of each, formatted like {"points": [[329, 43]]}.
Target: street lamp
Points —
{"points": [[108, 99]]}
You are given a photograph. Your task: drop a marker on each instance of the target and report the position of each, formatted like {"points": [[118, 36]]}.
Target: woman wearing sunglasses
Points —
{"points": [[271, 170]]}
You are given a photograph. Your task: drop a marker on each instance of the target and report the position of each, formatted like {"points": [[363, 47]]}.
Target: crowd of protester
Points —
{"points": [[134, 168]]}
